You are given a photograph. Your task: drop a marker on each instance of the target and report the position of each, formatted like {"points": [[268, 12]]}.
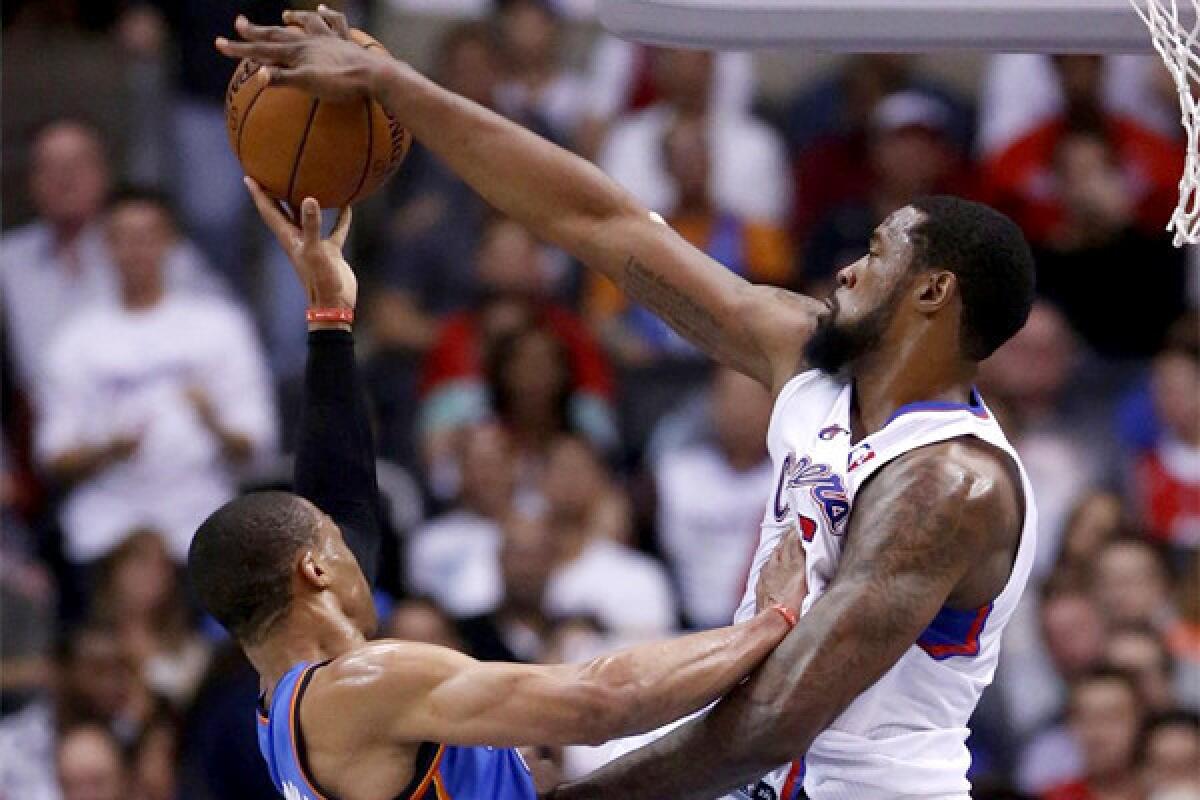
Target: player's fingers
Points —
{"points": [[335, 20], [264, 33], [270, 212], [262, 52], [310, 21], [310, 222], [341, 228]]}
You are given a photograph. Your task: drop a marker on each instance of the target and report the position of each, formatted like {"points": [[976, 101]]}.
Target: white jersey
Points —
{"points": [[904, 736]]}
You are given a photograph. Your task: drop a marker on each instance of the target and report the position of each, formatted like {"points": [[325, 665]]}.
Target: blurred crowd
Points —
{"points": [[563, 474]]}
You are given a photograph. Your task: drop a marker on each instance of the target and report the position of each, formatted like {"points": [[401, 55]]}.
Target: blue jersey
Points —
{"points": [[442, 772]]}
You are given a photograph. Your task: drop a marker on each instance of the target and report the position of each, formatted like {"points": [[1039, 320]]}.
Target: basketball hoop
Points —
{"points": [[1176, 41]]}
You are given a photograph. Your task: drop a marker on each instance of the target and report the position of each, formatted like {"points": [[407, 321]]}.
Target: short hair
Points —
{"points": [[1103, 674], [1141, 629], [989, 255], [70, 642], [240, 561], [136, 194], [461, 34], [1174, 718]]}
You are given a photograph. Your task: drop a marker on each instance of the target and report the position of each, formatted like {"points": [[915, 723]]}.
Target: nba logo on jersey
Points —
{"points": [[859, 456]]}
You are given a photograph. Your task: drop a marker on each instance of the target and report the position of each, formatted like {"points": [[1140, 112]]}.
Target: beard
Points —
{"points": [[833, 347]]}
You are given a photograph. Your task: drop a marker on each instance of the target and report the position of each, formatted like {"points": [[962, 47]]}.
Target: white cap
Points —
{"points": [[910, 109]]}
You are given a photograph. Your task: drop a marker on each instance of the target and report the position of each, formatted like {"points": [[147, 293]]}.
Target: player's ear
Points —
{"points": [[934, 288], [313, 571]]}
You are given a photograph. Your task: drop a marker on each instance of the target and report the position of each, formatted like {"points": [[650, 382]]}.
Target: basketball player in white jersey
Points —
{"points": [[913, 510]]}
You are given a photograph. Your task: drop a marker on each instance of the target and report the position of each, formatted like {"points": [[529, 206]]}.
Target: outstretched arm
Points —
{"points": [[919, 526], [414, 692], [562, 198], [335, 454]]}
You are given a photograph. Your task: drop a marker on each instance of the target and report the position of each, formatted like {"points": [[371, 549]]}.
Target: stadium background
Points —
{"points": [[563, 475]]}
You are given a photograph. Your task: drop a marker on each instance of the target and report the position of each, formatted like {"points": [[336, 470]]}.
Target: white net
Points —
{"points": [[1175, 28]]}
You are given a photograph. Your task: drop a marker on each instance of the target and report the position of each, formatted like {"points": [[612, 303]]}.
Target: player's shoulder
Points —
{"points": [[962, 470], [383, 660]]}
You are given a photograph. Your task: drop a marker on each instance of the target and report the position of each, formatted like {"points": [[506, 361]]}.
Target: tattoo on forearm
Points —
{"points": [[691, 319]]}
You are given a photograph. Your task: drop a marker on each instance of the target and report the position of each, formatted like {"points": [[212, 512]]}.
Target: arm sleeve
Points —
{"points": [[335, 457]]}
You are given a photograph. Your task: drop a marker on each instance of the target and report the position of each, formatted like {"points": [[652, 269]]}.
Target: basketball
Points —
{"points": [[296, 145]]}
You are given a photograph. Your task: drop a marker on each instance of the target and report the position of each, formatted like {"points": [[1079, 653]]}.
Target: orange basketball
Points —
{"points": [[295, 145]]}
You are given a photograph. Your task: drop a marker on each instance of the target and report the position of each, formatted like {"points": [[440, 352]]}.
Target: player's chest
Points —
{"points": [[816, 472]]}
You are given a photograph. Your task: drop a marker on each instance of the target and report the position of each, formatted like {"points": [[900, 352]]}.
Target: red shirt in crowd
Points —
{"points": [[1020, 180]]}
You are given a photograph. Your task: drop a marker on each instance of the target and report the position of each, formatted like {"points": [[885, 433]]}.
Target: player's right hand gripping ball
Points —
{"points": [[297, 146]]}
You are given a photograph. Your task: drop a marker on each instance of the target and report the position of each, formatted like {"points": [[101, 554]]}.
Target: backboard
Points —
{"points": [[1032, 26]]}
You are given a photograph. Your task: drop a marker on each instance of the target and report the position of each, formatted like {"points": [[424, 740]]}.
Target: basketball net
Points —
{"points": [[1177, 42]]}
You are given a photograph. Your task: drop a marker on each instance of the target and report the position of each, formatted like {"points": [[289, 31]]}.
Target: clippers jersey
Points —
{"points": [[905, 736], [441, 773]]}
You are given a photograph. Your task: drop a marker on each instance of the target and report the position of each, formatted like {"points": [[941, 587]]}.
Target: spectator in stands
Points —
{"points": [[1167, 478], [1030, 378], [747, 159], [513, 340], [519, 628], [1170, 753], [710, 497], [622, 81], [139, 594], [627, 592], [156, 760], [1095, 235], [538, 90], [94, 682], [184, 392], [452, 558], [433, 237], [1105, 715], [1021, 181], [27, 601], [61, 263], [92, 764], [580, 493], [1183, 634], [422, 620], [1131, 584], [909, 153], [1140, 652], [755, 249], [1035, 685], [1096, 519], [1021, 91], [827, 127]]}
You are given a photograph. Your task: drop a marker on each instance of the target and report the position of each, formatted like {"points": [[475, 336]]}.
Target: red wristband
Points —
{"points": [[788, 615], [345, 315]]}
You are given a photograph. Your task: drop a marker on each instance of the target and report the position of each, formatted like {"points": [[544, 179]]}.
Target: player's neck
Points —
{"points": [[302, 637], [909, 372]]}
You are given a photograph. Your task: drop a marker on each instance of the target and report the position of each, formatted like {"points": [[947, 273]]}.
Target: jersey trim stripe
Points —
{"points": [[431, 776], [795, 775], [297, 735], [954, 632], [976, 407]]}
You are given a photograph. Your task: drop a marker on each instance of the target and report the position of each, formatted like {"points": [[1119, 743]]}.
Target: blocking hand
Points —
{"points": [[312, 51]]}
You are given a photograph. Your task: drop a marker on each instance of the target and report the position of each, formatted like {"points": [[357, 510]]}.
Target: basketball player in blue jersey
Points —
{"points": [[915, 515], [345, 718]]}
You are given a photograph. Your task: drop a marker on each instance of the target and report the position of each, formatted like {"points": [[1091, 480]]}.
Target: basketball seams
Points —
{"points": [[246, 117], [299, 157], [366, 170]]}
